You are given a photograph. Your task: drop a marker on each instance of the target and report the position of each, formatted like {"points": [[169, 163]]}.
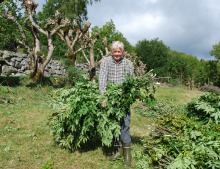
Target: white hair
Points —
{"points": [[117, 44]]}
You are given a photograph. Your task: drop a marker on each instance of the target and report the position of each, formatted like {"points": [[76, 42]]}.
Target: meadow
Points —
{"points": [[26, 142]]}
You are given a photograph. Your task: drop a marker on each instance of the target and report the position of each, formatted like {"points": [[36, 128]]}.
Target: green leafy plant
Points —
{"points": [[79, 116], [180, 142], [206, 107]]}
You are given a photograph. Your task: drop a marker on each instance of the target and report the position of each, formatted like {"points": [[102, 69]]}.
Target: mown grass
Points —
{"points": [[25, 140]]}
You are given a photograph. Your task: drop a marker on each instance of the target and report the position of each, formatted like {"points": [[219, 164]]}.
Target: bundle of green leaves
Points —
{"points": [[79, 116]]}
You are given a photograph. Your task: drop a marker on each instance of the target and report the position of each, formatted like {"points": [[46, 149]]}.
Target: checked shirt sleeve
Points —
{"points": [[103, 73]]}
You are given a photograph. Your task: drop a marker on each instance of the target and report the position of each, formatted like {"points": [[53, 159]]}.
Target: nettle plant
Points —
{"points": [[79, 116]]}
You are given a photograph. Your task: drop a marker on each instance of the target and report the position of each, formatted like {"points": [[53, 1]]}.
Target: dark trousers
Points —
{"points": [[125, 128]]}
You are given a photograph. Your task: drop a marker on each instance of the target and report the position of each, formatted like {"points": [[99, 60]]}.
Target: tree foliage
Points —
{"points": [[212, 72], [216, 51], [71, 9], [154, 53], [182, 66], [8, 29], [177, 65]]}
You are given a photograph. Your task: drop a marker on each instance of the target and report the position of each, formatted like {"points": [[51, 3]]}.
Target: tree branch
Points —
{"points": [[9, 16]]}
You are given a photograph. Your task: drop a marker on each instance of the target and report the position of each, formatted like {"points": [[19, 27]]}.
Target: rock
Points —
{"points": [[17, 64]]}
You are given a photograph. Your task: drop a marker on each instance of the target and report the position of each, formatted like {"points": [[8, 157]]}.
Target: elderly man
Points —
{"points": [[116, 69]]}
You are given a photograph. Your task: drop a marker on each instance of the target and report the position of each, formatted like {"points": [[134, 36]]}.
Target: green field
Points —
{"points": [[25, 140]]}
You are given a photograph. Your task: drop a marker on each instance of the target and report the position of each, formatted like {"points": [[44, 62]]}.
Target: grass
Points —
{"points": [[176, 95], [25, 140]]}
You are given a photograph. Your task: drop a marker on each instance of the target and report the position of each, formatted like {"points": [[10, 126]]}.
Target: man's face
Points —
{"points": [[117, 54]]}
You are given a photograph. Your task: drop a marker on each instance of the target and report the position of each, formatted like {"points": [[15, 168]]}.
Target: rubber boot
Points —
{"points": [[118, 152], [120, 149], [127, 154]]}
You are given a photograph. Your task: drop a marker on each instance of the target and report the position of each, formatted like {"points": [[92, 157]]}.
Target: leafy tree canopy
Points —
{"points": [[71, 9], [182, 63], [153, 53], [8, 30], [216, 51]]}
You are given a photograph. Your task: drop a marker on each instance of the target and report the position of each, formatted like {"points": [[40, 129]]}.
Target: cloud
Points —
{"points": [[189, 26]]}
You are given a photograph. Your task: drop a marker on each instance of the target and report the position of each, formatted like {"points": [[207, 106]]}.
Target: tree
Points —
{"points": [[73, 35], [71, 9], [76, 12], [107, 34], [202, 75], [8, 33], [154, 54], [216, 51], [39, 60], [76, 39], [182, 66], [211, 69]]}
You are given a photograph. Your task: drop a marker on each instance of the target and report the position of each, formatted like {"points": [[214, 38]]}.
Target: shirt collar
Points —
{"points": [[113, 60]]}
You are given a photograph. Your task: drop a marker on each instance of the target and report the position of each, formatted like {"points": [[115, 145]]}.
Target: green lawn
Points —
{"points": [[25, 140]]}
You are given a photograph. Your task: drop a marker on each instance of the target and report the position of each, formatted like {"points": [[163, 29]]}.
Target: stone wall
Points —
{"points": [[17, 64]]}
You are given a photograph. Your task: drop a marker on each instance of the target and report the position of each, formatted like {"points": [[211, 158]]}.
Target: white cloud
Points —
{"points": [[144, 21], [137, 27]]}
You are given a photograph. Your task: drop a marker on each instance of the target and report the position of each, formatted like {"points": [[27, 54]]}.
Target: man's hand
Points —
{"points": [[104, 102]]}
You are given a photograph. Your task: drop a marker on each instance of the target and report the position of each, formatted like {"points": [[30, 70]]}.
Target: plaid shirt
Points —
{"points": [[114, 72]]}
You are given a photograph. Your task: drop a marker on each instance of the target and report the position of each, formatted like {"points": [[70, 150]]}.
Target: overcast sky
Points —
{"points": [[189, 26]]}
